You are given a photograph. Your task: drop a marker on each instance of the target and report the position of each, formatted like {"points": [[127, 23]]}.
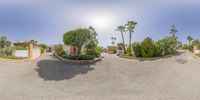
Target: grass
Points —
{"points": [[198, 55], [11, 57]]}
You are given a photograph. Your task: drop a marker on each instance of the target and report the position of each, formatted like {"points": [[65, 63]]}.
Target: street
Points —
{"points": [[113, 78]]}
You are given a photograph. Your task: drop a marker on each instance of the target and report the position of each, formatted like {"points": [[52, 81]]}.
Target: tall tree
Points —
{"points": [[189, 38], [130, 26], [173, 31], [122, 29], [77, 38], [4, 42], [113, 40], [92, 43]]}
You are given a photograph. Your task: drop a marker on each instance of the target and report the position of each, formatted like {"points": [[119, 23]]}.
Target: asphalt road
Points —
{"points": [[114, 78]]}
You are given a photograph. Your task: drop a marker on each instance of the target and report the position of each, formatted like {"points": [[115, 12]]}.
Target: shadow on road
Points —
{"points": [[57, 70]]}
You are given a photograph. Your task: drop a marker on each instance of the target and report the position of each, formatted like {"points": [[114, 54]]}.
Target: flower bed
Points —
{"points": [[78, 61]]}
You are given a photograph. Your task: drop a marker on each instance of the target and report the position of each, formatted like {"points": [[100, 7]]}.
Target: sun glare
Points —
{"points": [[103, 21]]}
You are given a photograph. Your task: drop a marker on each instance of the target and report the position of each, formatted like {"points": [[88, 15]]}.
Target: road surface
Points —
{"points": [[114, 78]]}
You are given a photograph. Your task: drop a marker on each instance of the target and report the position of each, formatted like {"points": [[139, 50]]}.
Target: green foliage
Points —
{"points": [[120, 46], [196, 42], [91, 48], [130, 26], [136, 49], [77, 38], [169, 44], [189, 38], [99, 50], [198, 54], [4, 42], [6, 52], [147, 48], [62, 53], [122, 29], [42, 48], [80, 57], [173, 31], [11, 57], [158, 49], [179, 45], [58, 48], [185, 46], [21, 46]]}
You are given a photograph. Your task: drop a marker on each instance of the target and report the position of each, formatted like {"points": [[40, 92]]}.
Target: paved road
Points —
{"points": [[46, 78]]}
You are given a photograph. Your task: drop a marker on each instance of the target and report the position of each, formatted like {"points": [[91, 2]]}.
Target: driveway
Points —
{"points": [[114, 78]]}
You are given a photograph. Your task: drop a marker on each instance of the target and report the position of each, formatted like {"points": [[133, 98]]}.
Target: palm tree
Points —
{"points": [[3, 42], [130, 26], [173, 30], [122, 29], [189, 38], [113, 40]]}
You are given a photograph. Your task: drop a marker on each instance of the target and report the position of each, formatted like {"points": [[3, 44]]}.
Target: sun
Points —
{"points": [[101, 21]]}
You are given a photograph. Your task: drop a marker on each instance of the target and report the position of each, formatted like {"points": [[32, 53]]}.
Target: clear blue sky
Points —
{"points": [[47, 20]]}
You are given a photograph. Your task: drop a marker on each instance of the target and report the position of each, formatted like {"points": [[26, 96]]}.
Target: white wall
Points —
{"points": [[66, 49], [20, 53], [197, 51], [36, 52]]}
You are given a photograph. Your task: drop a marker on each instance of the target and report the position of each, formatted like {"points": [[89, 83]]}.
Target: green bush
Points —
{"points": [[136, 49], [169, 44], [147, 48], [96, 51], [80, 57], [6, 52], [198, 55], [58, 48], [62, 53], [11, 57], [158, 49], [190, 48]]}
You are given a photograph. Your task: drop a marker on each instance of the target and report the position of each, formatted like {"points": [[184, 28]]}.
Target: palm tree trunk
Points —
{"points": [[130, 35], [123, 43]]}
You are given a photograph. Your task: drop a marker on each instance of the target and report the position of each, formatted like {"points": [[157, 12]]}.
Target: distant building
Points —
{"points": [[112, 49], [20, 44]]}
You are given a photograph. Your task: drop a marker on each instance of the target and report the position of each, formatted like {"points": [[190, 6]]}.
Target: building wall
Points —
{"points": [[20, 53], [66, 49], [36, 52]]}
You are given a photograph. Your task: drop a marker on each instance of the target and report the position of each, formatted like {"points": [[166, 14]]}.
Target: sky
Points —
{"points": [[47, 20]]}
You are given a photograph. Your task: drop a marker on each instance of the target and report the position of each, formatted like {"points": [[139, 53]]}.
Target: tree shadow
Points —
{"points": [[55, 70]]}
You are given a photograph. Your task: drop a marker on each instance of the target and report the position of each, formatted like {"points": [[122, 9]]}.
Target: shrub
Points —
{"points": [[136, 49], [58, 48], [169, 44], [190, 48], [42, 48], [147, 48], [62, 53], [198, 54], [80, 57], [158, 49], [6, 52]]}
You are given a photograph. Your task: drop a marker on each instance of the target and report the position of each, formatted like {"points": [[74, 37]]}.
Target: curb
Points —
{"points": [[154, 58], [14, 61], [78, 61]]}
